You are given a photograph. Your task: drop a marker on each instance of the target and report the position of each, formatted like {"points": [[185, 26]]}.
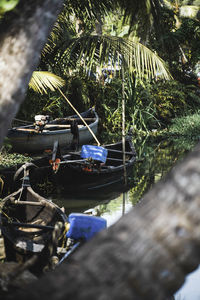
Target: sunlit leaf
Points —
{"points": [[7, 5], [42, 81], [189, 11]]}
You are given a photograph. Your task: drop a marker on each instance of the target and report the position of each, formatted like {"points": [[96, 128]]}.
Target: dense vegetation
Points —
{"points": [[75, 52]]}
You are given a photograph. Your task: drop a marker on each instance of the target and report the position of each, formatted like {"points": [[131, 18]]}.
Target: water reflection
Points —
{"points": [[116, 208], [109, 209], [155, 157]]}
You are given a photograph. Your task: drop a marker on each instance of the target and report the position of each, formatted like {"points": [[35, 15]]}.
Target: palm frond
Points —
{"points": [[189, 11], [92, 8], [41, 81], [146, 13], [92, 51]]}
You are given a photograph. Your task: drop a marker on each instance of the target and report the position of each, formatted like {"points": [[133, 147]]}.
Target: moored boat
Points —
{"points": [[76, 172], [31, 225], [73, 173], [41, 135], [37, 233]]}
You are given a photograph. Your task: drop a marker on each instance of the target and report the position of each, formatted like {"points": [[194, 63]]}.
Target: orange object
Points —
{"points": [[55, 164], [87, 169]]}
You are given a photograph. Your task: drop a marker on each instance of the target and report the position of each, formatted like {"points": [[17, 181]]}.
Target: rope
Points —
{"points": [[9, 219], [63, 236]]}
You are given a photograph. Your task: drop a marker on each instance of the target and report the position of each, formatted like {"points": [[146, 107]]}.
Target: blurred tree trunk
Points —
{"points": [[145, 255], [21, 42]]}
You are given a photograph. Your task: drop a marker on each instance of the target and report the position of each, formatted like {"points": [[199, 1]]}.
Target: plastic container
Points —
{"points": [[95, 152], [84, 227]]}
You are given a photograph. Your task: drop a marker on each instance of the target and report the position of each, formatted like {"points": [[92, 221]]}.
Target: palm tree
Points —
{"points": [[89, 49]]}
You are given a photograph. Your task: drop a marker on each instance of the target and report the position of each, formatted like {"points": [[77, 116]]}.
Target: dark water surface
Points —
{"points": [[155, 157]]}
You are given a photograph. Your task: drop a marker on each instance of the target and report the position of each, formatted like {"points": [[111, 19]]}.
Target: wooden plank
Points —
{"points": [[47, 126], [119, 151], [26, 129], [114, 159], [27, 225], [74, 119], [28, 203], [60, 126], [57, 125]]}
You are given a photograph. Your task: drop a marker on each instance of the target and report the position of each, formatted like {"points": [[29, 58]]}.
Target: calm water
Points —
{"points": [[155, 159]]}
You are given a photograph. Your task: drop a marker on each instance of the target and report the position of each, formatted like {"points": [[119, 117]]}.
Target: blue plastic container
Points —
{"points": [[95, 152], [84, 227]]}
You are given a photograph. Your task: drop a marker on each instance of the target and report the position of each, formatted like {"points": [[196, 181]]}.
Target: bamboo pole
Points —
{"points": [[90, 130], [123, 126]]}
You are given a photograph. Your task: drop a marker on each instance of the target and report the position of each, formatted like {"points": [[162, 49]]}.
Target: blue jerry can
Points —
{"points": [[95, 152], [84, 227]]}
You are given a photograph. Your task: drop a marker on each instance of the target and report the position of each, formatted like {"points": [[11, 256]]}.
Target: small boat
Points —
{"points": [[72, 173], [76, 172], [41, 135], [37, 233], [31, 225]]}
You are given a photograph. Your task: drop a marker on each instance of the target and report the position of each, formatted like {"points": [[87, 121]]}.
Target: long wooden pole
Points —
{"points": [[90, 130], [123, 125]]}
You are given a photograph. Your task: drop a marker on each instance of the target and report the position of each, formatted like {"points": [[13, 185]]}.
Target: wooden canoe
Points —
{"points": [[31, 225], [26, 139], [75, 173]]}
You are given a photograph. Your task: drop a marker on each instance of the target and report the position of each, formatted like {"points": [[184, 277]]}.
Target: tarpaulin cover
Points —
{"points": [[94, 152]]}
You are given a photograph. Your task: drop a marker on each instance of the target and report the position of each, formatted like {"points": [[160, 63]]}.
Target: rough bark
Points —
{"points": [[145, 255], [21, 42]]}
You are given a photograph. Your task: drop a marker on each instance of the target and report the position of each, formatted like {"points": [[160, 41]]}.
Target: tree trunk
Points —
{"points": [[145, 255], [21, 42]]}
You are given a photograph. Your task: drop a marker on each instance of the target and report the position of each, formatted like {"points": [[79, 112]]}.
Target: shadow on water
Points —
{"points": [[155, 157]]}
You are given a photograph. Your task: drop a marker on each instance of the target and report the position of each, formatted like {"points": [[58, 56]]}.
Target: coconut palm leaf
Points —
{"points": [[144, 12], [92, 51], [189, 11], [183, 9], [41, 81]]}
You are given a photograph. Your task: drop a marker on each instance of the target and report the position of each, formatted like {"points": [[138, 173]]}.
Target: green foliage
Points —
{"points": [[114, 24], [156, 156], [11, 159], [52, 103], [160, 102], [149, 106], [7, 5], [179, 43], [188, 126]]}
